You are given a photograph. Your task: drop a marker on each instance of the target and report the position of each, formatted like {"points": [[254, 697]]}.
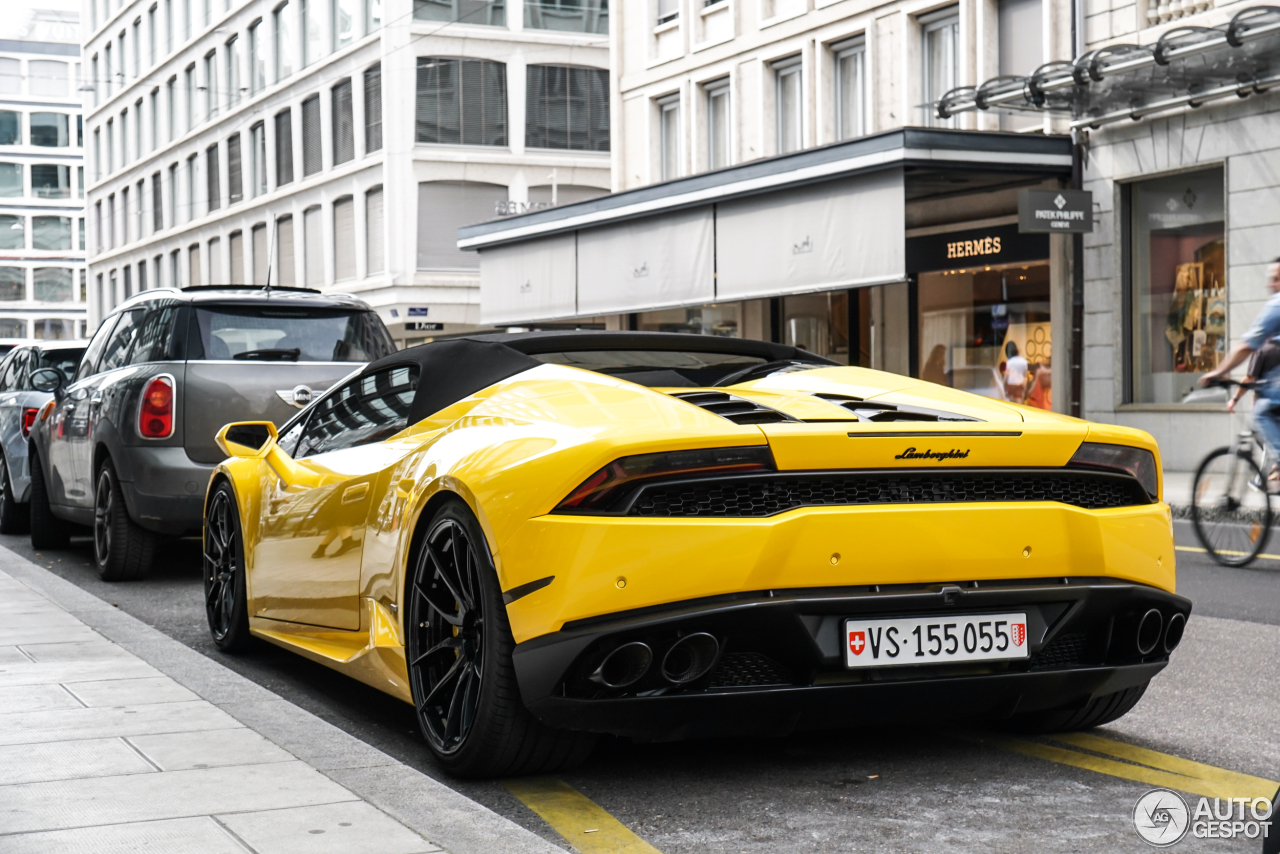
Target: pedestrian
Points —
{"points": [[1015, 374], [1041, 394]]}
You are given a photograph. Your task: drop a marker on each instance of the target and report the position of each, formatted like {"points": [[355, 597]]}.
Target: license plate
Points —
{"points": [[935, 640]]}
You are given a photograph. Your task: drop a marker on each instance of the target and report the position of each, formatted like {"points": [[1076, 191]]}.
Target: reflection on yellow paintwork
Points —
{"points": [[327, 539]]}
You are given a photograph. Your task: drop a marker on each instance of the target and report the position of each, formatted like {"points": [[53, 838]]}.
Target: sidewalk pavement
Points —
{"points": [[116, 738]]}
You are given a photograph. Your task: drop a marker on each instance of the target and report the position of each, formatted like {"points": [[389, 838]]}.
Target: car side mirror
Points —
{"points": [[249, 439], [48, 380]]}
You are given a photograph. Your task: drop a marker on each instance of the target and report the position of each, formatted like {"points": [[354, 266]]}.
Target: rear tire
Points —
{"points": [[47, 530], [15, 518], [1098, 711], [459, 648], [122, 549]]}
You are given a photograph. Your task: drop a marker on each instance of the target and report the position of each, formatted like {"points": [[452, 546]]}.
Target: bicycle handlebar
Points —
{"points": [[1227, 383]]}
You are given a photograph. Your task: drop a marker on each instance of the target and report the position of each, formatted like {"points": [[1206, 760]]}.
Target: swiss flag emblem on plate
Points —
{"points": [[857, 642], [1019, 633]]}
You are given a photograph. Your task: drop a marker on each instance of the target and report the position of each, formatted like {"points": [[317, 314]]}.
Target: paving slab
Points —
{"points": [[67, 760], [173, 836], [36, 698], [131, 692], [350, 828], [66, 724], [180, 752]]}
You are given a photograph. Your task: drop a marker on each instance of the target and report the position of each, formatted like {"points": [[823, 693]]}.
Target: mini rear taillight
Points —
{"points": [[155, 414], [598, 492], [28, 419]]}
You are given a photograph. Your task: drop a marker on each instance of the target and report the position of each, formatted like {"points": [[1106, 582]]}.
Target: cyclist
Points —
{"points": [[1266, 326]]}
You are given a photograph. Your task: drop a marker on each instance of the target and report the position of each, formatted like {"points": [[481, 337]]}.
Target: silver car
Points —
{"points": [[129, 445], [20, 403]]}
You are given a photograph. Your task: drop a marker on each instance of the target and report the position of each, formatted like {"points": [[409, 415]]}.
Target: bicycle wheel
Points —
{"points": [[1231, 515]]}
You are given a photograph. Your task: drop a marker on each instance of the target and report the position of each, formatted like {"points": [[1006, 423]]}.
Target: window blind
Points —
{"points": [[375, 250], [312, 161], [235, 185], [193, 265], [461, 101], [284, 147], [314, 247], [212, 175], [373, 109], [157, 203], [235, 243], [283, 274], [259, 238], [344, 140], [567, 108], [215, 261], [344, 239], [445, 206]]}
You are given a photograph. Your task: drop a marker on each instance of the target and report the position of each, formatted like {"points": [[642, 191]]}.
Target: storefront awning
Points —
{"points": [[822, 219], [1187, 67]]}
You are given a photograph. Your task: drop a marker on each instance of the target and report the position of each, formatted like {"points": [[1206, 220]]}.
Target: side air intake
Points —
{"points": [[736, 409], [875, 411]]}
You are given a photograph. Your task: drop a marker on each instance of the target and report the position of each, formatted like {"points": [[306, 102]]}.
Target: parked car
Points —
{"points": [[19, 403], [128, 445]]}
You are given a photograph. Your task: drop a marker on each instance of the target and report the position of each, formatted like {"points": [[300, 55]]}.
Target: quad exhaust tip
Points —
{"points": [[690, 658], [1149, 631], [1173, 633], [625, 666]]}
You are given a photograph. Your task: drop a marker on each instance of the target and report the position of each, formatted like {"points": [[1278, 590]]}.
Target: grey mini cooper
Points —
{"points": [[126, 447]]}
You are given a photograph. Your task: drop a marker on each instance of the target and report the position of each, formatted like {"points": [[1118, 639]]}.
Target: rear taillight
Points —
{"points": [[613, 481], [28, 419], [155, 415]]}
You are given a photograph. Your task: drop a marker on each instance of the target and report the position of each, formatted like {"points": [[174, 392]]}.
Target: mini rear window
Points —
{"points": [[288, 334], [657, 368]]}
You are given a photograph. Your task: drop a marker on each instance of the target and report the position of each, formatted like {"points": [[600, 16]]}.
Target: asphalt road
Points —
{"points": [[917, 788]]}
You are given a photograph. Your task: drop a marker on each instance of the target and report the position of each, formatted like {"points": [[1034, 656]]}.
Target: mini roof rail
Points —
{"points": [[248, 288]]}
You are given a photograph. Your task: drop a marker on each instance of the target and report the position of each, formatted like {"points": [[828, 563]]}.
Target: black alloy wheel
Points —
{"points": [[225, 603], [459, 654], [15, 518], [122, 549]]}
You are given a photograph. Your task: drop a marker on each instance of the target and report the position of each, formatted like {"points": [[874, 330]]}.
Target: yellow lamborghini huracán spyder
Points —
{"points": [[537, 537]]}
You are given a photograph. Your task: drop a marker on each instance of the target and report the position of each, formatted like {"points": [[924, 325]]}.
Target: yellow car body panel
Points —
{"points": [[516, 449]]}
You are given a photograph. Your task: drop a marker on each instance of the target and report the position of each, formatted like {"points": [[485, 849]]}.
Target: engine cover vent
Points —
{"points": [[875, 411], [736, 409]]}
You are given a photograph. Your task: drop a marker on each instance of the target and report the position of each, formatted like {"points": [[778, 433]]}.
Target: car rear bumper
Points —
{"points": [[164, 489], [781, 664]]}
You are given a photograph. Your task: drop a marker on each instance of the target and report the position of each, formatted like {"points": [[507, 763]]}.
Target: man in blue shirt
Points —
{"points": [[1266, 413]]}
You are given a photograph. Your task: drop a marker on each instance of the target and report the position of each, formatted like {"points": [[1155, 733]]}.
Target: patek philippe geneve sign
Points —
{"points": [[1055, 211]]}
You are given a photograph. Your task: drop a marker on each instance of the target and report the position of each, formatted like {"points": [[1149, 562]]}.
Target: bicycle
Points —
{"points": [[1231, 497]]}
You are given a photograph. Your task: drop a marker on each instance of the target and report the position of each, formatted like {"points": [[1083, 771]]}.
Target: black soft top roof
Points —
{"points": [[456, 368]]}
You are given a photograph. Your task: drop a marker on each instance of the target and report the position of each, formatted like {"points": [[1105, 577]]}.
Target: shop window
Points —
{"points": [[722, 321], [1177, 283], [818, 323]]}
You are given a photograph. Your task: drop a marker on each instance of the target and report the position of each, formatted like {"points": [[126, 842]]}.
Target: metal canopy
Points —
{"points": [[1187, 67]]}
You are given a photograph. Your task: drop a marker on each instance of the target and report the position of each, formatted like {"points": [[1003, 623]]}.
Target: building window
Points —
{"points": [[151, 36], [257, 62], [189, 87], [235, 184], [51, 232], [175, 268], [789, 103], [259, 237], [342, 22], [258, 159], [1177, 283], [171, 104], [142, 276], [99, 240], [10, 77], [52, 329], [137, 47], [82, 240], [140, 196], [10, 127], [191, 187], [312, 157], [173, 194], [372, 15], [373, 109], [461, 101], [124, 216], [168, 25], [80, 181], [157, 204], [342, 123], [444, 207], [12, 327], [283, 42], [235, 245], [570, 16], [47, 77], [284, 148], [193, 266], [719, 139], [11, 180], [51, 130], [850, 88], [212, 177], [940, 36], [313, 257], [13, 284], [48, 181], [13, 233], [668, 10], [492, 13], [111, 146], [53, 284], [669, 137], [285, 268], [373, 231], [310, 31], [155, 119], [96, 81], [344, 239], [108, 77], [567, 108], [233, 71], [215, 261]]}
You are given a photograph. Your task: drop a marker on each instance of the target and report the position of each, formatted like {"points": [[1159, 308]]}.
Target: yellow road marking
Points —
{"points": [[581, 821], [1201, 551], [1155, 769]]}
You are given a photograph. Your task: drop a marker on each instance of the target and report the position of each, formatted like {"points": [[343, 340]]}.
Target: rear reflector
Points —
{"points": [[28, 419], [155, 414]]}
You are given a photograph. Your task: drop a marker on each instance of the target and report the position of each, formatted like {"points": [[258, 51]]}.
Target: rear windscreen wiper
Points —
{"points": [[271, 354]]}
